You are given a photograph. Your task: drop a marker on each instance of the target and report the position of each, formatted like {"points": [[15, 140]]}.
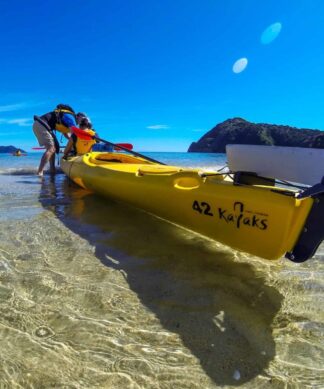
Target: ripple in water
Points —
{"points": [[95, 294]]}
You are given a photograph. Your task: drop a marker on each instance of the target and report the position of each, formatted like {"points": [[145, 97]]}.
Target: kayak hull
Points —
{"points": [[260, 220]]}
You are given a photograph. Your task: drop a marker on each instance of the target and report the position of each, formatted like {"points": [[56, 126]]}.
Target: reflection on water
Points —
{"points": [[94, 293]]}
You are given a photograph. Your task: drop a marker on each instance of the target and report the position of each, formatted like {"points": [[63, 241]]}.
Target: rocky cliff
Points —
{"points": [[240, 131]]}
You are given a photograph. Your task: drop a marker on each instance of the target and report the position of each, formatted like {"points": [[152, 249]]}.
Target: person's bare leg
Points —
{"points": [[49, 153], [52, 164]]}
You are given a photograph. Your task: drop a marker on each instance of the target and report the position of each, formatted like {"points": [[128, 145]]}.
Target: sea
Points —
{"points": [[96, 294]]}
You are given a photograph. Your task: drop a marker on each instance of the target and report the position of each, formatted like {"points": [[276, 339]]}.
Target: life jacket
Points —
{"points": [[82, 146], [54, 118]]}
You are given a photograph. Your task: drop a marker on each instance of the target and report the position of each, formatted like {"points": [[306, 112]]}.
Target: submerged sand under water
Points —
{"points": [[96, 294]]}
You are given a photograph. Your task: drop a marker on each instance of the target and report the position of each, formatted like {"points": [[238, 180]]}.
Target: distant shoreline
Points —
{"points": [[10, 149]]}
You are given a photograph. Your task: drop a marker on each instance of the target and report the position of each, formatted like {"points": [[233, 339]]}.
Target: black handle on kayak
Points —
{"points": [[129, 151]]}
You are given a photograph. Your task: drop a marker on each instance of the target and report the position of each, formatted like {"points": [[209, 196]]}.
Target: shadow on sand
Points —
{"points": [[221, 308]]}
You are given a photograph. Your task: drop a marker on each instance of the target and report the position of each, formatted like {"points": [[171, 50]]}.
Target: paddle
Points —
{"points": [[43, 148], [85, 136], [118, 146], [127, 146]]}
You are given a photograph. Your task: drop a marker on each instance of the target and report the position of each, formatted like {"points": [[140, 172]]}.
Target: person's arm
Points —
{"points": [[68, 148]]}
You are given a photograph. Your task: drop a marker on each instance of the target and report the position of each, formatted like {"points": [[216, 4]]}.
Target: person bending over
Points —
{"points": [[61, 119]]}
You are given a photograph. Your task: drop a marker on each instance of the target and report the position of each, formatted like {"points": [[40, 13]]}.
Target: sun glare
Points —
{"points": [[240, 65], [271, 33]]}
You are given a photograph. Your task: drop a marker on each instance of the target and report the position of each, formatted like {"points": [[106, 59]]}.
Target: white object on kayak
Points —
{"points": [[295, 164]]}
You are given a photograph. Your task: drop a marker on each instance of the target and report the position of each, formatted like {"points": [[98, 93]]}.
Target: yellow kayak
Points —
{"points": [[255, 217]]}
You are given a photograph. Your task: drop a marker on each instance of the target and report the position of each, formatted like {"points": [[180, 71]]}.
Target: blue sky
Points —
{"points": [[159, 73]]}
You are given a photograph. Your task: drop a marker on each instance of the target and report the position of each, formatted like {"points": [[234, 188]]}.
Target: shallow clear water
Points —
{"points": [[97, 294]]}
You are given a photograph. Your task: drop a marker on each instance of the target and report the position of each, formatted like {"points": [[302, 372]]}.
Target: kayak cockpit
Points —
{"points": [[104, 158]]}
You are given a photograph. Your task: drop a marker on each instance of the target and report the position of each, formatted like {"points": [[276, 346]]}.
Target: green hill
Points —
{"points": [[240, 131], [10, 149]]}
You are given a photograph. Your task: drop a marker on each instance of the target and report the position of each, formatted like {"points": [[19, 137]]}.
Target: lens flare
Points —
{"points": [[240, 65], [271, 33]]}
